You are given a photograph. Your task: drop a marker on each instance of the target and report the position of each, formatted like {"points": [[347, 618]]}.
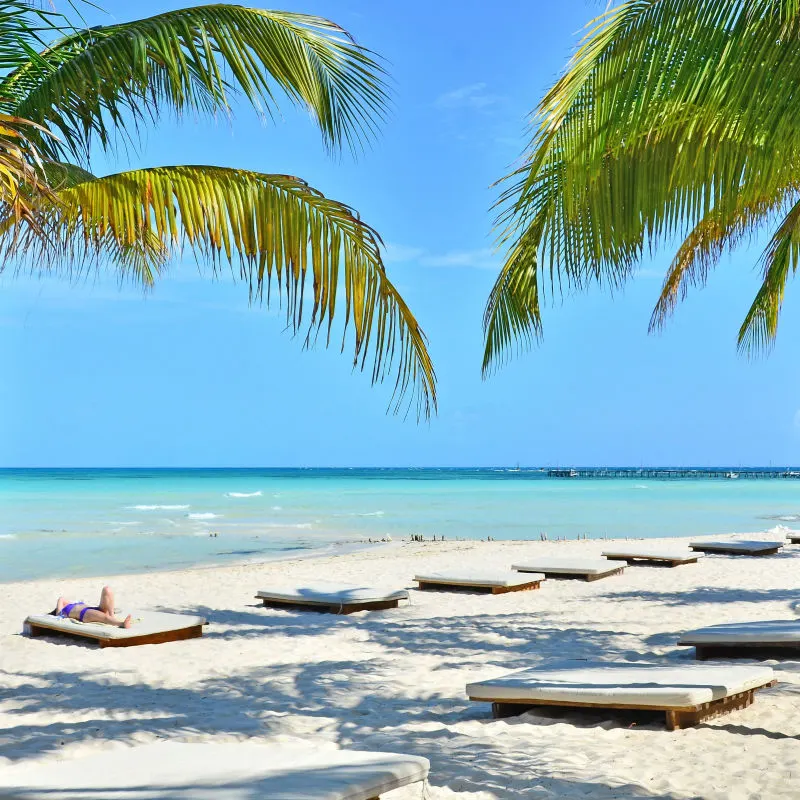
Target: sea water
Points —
{"points": [[101, 522]]}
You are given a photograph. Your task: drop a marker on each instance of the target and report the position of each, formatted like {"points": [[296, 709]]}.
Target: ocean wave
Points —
{"points": [[362, 514], [304, 526], [781, 530], [8, 535], [783, 517], [124, 524], [204, 515], [242, 494], [276, 508], [157, 508]]}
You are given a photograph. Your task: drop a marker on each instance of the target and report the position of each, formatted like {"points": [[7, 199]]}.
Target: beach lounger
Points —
{"points": [[655, 556], [738, 547], [794, 538], [686, 694], [493, 582], [221, 771], [587, 569], [149, 627], [775, 638], [332, 598]]}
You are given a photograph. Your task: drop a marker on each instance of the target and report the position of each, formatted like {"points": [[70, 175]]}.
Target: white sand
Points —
{"points": [[394, 680]]}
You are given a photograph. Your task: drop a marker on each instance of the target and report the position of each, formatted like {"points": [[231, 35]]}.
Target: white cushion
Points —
{"points": [[653, 553], [223, 771], [467, 578], [577, 566], [781, 631], [622, 684], [332, 594], [741, 544], [144, 624]]}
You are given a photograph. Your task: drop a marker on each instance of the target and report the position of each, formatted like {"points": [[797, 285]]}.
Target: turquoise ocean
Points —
{"points": [[85, 522]]}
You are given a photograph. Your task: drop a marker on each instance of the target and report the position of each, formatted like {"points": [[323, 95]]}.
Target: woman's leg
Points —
{"points": [[106, 603], [94, 615]]}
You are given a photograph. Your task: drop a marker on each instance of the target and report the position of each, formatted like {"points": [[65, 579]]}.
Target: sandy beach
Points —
{"points": [[394, 680]]}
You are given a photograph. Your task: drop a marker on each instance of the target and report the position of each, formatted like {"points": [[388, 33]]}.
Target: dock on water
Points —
{"points": [[666, 473]]}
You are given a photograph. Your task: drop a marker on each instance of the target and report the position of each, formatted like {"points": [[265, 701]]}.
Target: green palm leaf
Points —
{"points": [[92, 81], [674, 118], [780, 258], [270, 229]]}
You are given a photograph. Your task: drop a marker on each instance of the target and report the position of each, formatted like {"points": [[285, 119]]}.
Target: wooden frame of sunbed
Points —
{"points": [[581, 576], [323, 607], [756, 650], [720, 549], [652, 561], [676, 717], [160, 637], [484, 588]]}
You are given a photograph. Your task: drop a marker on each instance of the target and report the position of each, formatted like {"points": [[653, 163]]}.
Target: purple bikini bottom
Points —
{"points": [[65, 612]]}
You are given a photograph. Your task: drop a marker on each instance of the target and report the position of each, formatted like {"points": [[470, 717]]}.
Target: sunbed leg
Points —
{"points": [[34, 630], [503, 710], [672, 720]]}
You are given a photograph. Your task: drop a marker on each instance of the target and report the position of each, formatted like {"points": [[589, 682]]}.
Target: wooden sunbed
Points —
{"points": [[739, 547], [332, 598], [214, 771], [794, 538], [777, 638], [149, 627], [686, 695], [586, 569], [657, 557], [489, 582]]}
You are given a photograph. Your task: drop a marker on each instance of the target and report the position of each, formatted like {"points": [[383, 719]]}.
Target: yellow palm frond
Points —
{"points": [[270, 229]]}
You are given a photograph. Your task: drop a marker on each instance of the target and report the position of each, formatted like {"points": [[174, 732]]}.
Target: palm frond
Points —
{"points": [[780, 258], [88, 83], [512, 314], [672, 113], [269, 228], [704, 246], [22, 182], [24, 28]]}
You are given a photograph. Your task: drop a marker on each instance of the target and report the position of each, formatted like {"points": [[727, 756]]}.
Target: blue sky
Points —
{"points": [[193, 376]]}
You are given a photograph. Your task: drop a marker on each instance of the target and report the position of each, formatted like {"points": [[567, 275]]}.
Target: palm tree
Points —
{"points": [[82, 89], [674, 118]]}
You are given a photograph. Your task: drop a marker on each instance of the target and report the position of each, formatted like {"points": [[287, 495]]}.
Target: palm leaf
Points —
{"points": [[92, 81], [22, 182], [704, 246], [781, 256], [270, 229], [674, 118], [512, 314]]}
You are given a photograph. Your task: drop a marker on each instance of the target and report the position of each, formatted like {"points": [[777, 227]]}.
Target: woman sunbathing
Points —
{"points": [[103, 612]]}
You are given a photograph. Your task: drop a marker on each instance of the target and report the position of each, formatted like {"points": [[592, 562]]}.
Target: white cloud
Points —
{"points": [[480, 258], [473, 97], [398, 253]]}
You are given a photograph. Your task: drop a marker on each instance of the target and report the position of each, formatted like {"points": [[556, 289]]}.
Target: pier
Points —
{"points": [[669, 473]]}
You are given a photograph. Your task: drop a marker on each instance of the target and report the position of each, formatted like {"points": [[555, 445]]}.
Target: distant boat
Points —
{"points": [[732, 475]]}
